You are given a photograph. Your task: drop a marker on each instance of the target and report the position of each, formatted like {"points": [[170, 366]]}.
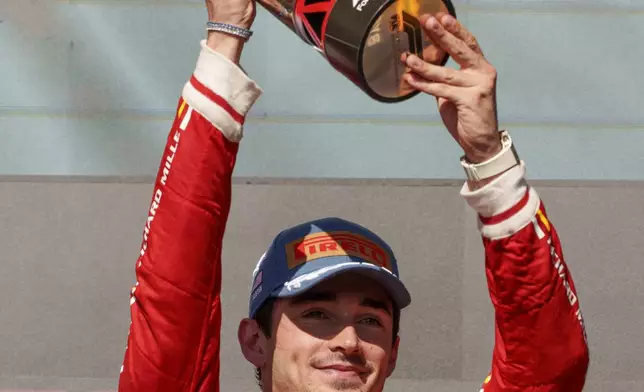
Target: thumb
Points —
{"points": [[449, 115]]}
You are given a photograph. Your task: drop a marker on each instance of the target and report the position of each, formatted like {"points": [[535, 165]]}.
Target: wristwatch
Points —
{"points": [[506, 159]]}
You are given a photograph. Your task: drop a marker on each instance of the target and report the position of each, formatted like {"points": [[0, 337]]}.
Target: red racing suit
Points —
{"points": [[174, 338]]}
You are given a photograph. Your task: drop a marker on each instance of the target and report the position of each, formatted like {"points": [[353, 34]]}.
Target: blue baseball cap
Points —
{"points": [[302, 256]]}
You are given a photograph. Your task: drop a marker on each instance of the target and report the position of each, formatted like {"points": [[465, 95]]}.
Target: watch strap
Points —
{"points": [[504, 160]]}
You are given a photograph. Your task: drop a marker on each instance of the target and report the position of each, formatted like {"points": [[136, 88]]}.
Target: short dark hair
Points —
{"points": [[264, 319]]}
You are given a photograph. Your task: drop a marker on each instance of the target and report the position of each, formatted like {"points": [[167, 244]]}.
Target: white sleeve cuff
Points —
{"points": [[505, 205], [222, 92]]}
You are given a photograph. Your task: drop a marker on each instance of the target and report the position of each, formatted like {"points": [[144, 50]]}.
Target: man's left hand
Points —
{"points": [[240, 13], [466, 97]]}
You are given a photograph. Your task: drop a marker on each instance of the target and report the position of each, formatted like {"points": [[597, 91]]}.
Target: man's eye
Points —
{"points": [[371, 321], [315, 314]]}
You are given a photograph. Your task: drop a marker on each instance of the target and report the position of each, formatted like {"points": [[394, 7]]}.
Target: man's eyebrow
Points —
{"points": [[376, 304], [328, 296]]}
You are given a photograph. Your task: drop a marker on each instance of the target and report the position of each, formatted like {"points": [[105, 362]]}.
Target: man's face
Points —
{"points": [[335, 337]]}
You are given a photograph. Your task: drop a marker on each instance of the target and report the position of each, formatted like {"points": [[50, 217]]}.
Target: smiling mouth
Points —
{"points": [[342, 371]]}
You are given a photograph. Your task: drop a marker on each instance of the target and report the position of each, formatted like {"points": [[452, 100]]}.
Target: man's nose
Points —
{"points": [[347, 340]]}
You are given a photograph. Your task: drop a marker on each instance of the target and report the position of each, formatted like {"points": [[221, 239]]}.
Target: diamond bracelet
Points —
{"points": [[229, 29]]}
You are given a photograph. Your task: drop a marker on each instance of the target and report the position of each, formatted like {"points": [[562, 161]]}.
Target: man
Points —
{"points": [[325, 299]]}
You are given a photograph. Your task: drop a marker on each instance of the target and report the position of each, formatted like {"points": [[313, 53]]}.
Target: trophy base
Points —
{"points": [[365, 39]]}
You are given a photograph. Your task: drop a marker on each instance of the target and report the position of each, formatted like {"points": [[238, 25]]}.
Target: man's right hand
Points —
{"points": [[467, 96], [240, 13]]}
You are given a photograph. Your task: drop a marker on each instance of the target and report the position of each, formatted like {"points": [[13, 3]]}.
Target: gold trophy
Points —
{"points": [[364, 39]]}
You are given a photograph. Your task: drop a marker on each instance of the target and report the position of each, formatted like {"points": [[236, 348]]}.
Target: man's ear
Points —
{"points": [[391, 365], [252, 342]]}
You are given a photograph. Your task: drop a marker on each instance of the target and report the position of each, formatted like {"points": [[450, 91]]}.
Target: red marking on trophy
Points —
{"points": [[314, 15]]}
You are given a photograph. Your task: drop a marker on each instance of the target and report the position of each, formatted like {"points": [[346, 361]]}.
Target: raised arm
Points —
{"points": [[173, 342], [540, 341]]}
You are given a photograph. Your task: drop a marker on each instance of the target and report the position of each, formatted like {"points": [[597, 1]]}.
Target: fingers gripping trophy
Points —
{"points": [[365, 39]]}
